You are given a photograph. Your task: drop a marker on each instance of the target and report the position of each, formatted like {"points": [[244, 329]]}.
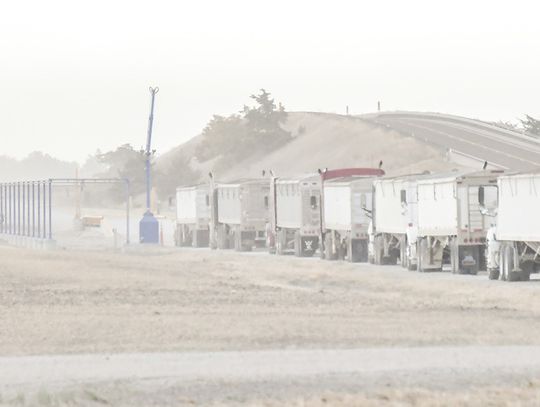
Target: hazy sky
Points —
{"points": [[75, 75]]}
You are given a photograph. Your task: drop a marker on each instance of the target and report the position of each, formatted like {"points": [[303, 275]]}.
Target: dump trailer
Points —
{"points": [[395, 220], [514, 244], [241, 214], [295, 215], [347, 211], [453, 220], [192, 216]]}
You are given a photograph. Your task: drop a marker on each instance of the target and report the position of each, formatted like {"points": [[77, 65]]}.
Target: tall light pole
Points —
{"points": [[149, 226]]}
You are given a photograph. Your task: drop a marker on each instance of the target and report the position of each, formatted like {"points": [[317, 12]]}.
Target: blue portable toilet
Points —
{"points": [[148, 229]]}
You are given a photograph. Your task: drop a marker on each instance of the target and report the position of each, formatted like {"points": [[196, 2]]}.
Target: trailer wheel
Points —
{"points": [[403, 251], [222, 242], [454, 256], [524, 275], [341, 250], [322, 248], [494, 274], [527, 267], [297, 245], [502, 263], [392, 257], [279, 243], [508, 264], [358, 250], [329, 253], [410, 265], [378, 250], [420, 254]]}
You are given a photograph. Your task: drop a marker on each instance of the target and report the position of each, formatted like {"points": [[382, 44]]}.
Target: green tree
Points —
{"points": [[257, 129], [125, 162], [264, 121], [531, 125], [220, 137]]}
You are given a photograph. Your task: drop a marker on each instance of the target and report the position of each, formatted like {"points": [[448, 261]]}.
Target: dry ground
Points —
{"points": [[169, 300]]}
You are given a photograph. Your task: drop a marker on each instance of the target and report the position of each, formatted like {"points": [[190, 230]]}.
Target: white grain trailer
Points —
{"points": [[515, 242], [395, 220], [347, 210], [295, 215], [242, 214], [452, 222], [192, 216]]}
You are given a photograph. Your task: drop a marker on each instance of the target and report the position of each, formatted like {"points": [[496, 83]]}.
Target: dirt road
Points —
{"points": [[270, 374], [218, 305]]}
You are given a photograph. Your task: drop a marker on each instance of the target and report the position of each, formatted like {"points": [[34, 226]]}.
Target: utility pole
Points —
{"points": [[149, 226]]}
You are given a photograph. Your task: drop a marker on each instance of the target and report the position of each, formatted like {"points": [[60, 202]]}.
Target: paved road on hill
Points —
{"points": [[504, 148]]}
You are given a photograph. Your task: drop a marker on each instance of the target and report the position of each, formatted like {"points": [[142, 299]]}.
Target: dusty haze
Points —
{"points": [[76, 78]]}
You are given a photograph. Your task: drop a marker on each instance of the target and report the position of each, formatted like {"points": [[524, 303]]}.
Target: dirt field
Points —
{"points": [[61, 309]]}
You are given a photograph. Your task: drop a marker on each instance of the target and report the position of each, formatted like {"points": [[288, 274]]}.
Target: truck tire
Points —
{"points": [[212, 238], [378, 250], [322, 248], [510, 274], [524, 275], [454, 256], [222, 238], [239, 243], [502, 263], [527, 267], [183, 236], [493, 274], [280, 250], [341, 251], [364, 250], [410, 265], [420, 253], [403, 251], [358, 251], [297, 245], [329, 253], [392, 257]]}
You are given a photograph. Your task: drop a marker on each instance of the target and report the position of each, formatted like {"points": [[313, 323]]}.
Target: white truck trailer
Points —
{"points": [[514, 244], [295, 215], [452, 222], [192, 216], [241, 214], [395, 220], [347, 208]]}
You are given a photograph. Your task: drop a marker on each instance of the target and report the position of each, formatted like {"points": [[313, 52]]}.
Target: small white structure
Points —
{"points": [[241, 214], [453, 219], [514, 245], [192, 216]]}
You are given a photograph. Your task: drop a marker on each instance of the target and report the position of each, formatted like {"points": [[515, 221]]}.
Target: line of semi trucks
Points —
{"points": [[464, 221]]}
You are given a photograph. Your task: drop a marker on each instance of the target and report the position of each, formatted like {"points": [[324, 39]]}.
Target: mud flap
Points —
{"points": [[308, 245]]}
